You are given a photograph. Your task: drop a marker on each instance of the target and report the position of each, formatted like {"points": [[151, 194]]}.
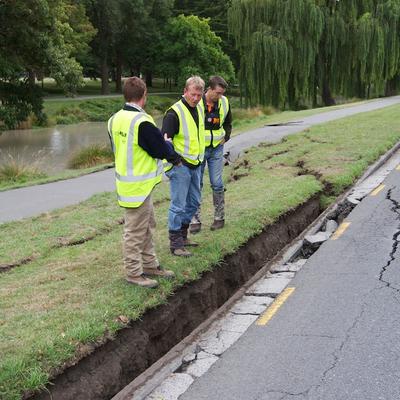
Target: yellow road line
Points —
{"points": [[275, 306], [339, 231], [377, 190], [398, 168]]}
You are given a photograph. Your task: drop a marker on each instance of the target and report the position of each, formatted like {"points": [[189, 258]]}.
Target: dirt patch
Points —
{"points": [[112, 366]]}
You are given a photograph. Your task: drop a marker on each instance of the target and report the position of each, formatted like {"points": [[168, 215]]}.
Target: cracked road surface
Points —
{"points": [[337, 337]]}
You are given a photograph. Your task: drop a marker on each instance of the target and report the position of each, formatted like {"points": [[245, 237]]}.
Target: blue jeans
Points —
{"points": [[185, 195], [214, 156]]}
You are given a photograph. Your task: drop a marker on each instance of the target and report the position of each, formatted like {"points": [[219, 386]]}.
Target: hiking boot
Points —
{"points": [[159, 272], [142, 281], [195, 228], [182, 252], [186, 241], [217, 224], [195, 223]]}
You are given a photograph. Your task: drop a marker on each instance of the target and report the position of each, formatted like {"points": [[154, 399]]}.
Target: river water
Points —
{"points": [[49, 149]]}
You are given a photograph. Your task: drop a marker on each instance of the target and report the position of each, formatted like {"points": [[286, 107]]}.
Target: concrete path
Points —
{"points": [[30, 201]]}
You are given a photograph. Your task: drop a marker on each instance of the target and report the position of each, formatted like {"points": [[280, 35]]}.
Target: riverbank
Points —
{"points": [[244, 119], [76, 297]]}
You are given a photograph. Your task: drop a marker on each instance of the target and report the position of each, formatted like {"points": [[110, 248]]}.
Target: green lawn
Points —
{"points": [[70, 294]]}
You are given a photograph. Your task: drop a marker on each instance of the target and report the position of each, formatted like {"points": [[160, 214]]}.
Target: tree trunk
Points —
{"points": [[390, 88], [149, 79], [105, 87], [327, 95], [118, 74], [31, 78]]}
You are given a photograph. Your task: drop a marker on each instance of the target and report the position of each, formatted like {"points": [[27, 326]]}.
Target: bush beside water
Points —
{"points": [[14, 169], [91, 156]]}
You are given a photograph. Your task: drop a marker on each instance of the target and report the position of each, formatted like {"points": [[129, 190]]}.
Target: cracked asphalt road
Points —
{"points": [[338, 336]]}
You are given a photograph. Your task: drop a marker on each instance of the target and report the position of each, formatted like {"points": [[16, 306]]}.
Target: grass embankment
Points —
{"points": [[72, 295], [99, 109]]}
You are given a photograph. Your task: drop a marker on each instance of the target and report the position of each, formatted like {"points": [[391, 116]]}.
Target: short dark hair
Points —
{"points": [[134, 89], [215, 81]]}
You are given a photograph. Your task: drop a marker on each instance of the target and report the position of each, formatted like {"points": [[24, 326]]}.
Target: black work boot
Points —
{"points": [[176, 244], [186, 241]]}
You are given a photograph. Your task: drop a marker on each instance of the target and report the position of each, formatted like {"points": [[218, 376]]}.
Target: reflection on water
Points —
{"points": [[51, 148]]}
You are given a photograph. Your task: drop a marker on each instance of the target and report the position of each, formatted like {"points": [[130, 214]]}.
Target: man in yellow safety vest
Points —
{"points": [[139, 149], [184, 124]]}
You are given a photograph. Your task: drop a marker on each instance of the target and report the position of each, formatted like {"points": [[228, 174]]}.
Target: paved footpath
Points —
{"points": [[336, 333], [34, 200]]}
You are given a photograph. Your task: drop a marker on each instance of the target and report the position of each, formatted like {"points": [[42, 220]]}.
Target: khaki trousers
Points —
{"points": [[138, 243]]}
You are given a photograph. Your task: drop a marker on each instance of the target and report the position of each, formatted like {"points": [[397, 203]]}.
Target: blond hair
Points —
{"points": [[195, 81]]}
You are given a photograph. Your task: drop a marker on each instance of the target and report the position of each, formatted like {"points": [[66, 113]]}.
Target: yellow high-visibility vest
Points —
{"points": [[215, 136], [189, 141], [136, 171]]}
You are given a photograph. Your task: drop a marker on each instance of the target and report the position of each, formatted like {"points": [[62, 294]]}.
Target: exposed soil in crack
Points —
{"points": [[65, 242], [62, 242], [115, 363], [24, 261]]}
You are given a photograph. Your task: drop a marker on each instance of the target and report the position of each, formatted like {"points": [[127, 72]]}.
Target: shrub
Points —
{"points": [[91, 156], [14, 169]]}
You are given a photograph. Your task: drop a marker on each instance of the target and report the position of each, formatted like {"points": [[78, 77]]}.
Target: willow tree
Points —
{"points": [[370, 57], [278, 41], [294, 50]]}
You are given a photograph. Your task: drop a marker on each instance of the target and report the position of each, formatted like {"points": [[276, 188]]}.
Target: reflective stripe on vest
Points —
{"points": [[136, 171], [132, 199], [215, 136], [110, 121], [182, 142]]}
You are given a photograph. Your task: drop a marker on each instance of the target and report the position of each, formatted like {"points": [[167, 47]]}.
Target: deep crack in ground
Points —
{"points": [[396, 240]]}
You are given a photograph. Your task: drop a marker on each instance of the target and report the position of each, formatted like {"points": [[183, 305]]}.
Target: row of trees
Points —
{"points": [[291, 51], [69, 39], [287, 52]]}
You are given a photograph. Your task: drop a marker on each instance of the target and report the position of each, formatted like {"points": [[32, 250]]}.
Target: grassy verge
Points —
{"points": [[8, 184], [73, 291], [93, 87], [99, 109]]}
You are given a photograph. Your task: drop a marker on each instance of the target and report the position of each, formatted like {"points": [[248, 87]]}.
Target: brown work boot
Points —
{"points": [[181, 252], [142, 281], [195, 228], [217, 224], [187, 242], [160, 272], [176, 244]]}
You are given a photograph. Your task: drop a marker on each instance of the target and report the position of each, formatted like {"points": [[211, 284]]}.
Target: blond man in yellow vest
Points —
{"points": [[184, 124], [138, 147]]}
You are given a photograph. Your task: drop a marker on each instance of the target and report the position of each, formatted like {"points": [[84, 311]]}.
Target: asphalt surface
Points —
{"points": [[337, 336], [34, 200]]}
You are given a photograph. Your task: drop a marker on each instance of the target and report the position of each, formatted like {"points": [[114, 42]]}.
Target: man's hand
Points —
{"points": [[167, 139]]}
